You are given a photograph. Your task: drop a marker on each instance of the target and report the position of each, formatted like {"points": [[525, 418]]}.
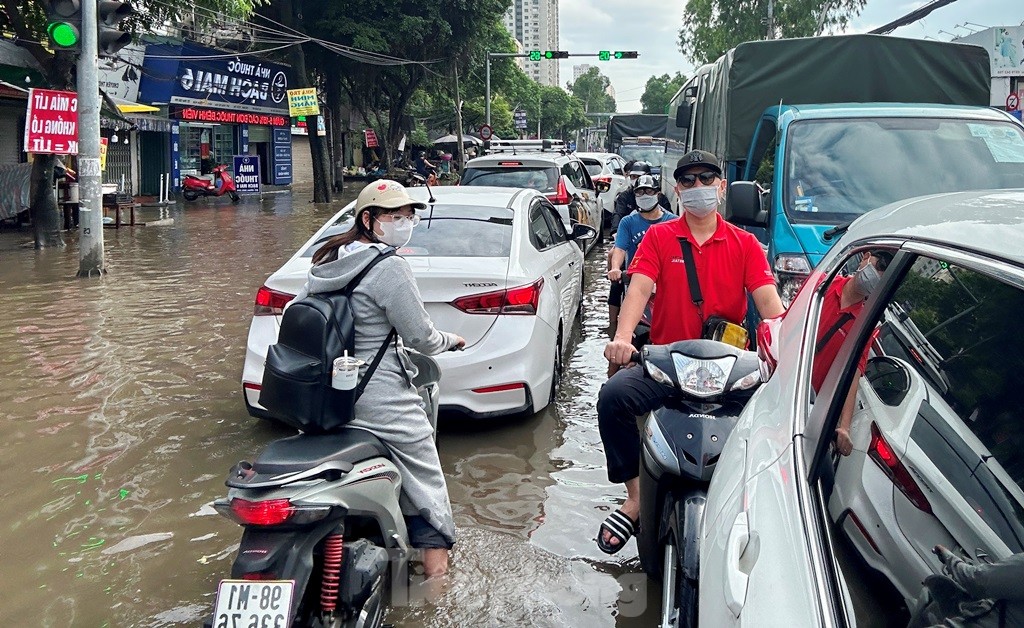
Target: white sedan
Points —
{"points": [[494, 265], [607, 167]]}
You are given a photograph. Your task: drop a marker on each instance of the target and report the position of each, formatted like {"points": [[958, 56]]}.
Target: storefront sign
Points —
{"points": [[51, 122], [300, 126], [371, 138], [1007, 51], [103, 153], [210, 81], [302, 102], [281, 140], [120, 76], [247, 174], [222, 116]]}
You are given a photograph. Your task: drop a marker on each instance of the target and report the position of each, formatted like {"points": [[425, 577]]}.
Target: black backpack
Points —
{"points": [[297, 373]]}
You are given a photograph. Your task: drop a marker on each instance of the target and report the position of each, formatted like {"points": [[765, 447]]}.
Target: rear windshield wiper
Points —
{"points": [[836, 230]]}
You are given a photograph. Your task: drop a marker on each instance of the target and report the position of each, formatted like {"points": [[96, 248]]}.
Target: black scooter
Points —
{"points": [[682, 442]]}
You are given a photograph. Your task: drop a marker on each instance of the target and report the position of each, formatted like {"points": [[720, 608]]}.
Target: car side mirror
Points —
{"points": [[581, 231], [744, 205], [602, 186]]}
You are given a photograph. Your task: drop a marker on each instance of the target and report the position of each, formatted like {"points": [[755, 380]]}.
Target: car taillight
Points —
{"points": [[522, 300], [269, 512], [604, 178], [270, 302], [500, 388], [561, 195], [885, 457]]}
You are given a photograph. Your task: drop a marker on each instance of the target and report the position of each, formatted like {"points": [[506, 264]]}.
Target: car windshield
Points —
{"points": [[594, 166], [650, 154], [453, 231], [542, 179], [837, 170]]}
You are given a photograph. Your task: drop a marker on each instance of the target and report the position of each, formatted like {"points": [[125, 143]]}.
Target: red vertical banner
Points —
{"points": [[371, 138]]}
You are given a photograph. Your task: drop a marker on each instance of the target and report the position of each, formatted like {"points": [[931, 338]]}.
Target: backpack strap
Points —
{"points": [[691, 277], [845, 318], [392, 335], [350, 288]]}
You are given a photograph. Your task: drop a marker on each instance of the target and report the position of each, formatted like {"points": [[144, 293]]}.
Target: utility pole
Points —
{"points": [[458, 122], [771, 19], [90, 186]]}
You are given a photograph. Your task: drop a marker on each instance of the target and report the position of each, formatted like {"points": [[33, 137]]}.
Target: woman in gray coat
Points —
{"points": [[390, 407]]}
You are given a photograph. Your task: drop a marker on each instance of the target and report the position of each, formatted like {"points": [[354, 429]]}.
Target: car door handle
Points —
{"points": [[572, 263], [558, 276], [741, 550]]}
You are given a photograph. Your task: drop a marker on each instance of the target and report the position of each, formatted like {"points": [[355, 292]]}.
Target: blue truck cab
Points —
{"points": [[817, 168]]}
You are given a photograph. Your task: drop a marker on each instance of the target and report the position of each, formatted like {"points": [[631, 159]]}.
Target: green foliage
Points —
{"points": [[659, 91], [590, 89], [711, 27]]}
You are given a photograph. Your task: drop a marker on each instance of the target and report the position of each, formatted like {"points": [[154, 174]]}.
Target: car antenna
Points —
{"points": [[430, 200]]}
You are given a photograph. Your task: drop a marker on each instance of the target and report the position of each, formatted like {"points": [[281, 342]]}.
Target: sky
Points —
{"points": [[651, 27]]}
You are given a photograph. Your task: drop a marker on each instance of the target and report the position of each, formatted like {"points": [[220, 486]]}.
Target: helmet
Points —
{"points": [[645, 181], [447, 157], [386, 194], [640, 167]]}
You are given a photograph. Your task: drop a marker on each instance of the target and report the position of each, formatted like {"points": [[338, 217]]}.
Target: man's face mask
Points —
{"points": [[866, 280]]}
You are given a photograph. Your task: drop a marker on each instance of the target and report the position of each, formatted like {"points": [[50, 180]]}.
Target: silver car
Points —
{"points": [[796, 534]]}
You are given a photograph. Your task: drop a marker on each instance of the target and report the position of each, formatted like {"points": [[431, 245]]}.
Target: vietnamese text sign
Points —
{"points": [[371, 138], [247, 174], [103, 153], [302, 102], [224, 116], [51, 122]]}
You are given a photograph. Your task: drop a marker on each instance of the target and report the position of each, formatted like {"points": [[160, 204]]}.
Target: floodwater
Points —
{"points": [[121, 414]]}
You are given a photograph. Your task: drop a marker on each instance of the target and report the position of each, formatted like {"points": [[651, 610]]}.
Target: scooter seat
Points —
{"points": [[298, 453]]}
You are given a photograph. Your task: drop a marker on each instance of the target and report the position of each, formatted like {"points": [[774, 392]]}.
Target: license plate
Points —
{"points": [[253, 604]]}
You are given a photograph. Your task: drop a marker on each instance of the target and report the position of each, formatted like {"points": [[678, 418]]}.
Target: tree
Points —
{"points": [[592, 90], [425, 32], [659, 91], [26, 19], [711, 27]]}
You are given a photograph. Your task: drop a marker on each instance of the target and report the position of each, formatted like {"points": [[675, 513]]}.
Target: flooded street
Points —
{"points": [[122, 413]]}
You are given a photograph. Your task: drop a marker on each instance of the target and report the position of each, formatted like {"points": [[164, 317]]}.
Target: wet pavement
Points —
{"points": [[122, 413]]}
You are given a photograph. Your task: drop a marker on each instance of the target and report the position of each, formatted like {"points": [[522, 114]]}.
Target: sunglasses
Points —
{"points": [[645, 192], [688, 180]]}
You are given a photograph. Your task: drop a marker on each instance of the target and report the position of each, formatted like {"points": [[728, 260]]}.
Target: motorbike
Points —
{"points": [[323, 535], [218, 183], [682, 442]]}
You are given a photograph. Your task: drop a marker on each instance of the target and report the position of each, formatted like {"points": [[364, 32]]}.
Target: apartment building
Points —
{"points": [[534, 24]]}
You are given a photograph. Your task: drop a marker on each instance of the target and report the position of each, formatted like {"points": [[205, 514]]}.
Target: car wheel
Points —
{"points": [[556, 371]]}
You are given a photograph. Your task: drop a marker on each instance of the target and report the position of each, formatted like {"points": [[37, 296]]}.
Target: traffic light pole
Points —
{"points": [[487, 96], [90, 188]]}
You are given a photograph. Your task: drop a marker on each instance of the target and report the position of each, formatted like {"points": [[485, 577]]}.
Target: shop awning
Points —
{"points": [[129, 106]]}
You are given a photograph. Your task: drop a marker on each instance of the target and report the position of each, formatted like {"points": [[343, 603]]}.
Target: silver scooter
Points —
{"points": [[324, 536]]}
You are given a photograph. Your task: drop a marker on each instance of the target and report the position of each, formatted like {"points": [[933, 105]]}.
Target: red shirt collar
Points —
{"points": [[721, 229]]}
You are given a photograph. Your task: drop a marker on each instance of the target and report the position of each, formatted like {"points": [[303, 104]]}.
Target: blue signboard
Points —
{"points": [[212, 88], [247, 174], [281, 140]]}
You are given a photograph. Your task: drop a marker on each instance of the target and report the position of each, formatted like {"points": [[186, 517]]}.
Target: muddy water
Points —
{"points": [[121, 411]]}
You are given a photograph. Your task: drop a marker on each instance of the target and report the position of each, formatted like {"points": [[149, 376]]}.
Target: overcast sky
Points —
{"points": [[651, 27]]}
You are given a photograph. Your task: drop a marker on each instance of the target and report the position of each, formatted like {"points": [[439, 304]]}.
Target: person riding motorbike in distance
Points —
{"points": [[729, 263], [387, 298]]}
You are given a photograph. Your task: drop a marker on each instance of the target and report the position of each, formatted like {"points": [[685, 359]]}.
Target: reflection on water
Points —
{"points": [[122, 413]]}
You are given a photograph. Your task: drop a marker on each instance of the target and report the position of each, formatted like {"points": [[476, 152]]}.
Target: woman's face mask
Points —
{"points": [[398, 232], [699, 200]]}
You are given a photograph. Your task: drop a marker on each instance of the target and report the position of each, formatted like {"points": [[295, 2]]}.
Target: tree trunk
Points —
{"points": [[458, 122], [46, 218], [336, 132], [291, 13]]}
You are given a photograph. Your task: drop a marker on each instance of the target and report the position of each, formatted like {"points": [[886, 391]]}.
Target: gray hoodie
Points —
{"points": [[389, 407]]}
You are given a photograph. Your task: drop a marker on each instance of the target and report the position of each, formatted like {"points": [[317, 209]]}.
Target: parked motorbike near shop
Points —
{"points": [[218, 183], [682, 442], [323, 535]]}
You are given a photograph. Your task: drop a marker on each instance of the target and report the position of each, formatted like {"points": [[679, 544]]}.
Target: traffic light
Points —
{"points": [[626, 54], [63, 19], [109, 38], [556, 54], [604, 55], [535, 55]]}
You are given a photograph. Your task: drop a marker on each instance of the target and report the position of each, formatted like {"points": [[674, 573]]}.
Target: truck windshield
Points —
{"points": [[648, 153], [837, 170]]}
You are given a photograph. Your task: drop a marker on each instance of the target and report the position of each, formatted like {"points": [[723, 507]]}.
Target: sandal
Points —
{"points": [[621, 527]]}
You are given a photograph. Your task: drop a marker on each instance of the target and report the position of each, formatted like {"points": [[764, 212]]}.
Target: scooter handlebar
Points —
{"points": [[636, 358]]}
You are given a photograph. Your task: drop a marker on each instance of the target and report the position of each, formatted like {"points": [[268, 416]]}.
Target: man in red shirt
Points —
{"points": [[729, 263], [840, 307]]}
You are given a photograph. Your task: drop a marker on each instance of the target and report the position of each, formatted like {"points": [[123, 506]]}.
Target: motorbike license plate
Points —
{"points": [[253, 604]]}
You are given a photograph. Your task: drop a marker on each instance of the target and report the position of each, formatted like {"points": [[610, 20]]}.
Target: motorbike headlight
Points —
{"points": [[702, 378]]}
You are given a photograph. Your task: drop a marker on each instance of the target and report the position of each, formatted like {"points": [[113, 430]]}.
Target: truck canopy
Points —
{"points": [[753, 76], [635, 124]]}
